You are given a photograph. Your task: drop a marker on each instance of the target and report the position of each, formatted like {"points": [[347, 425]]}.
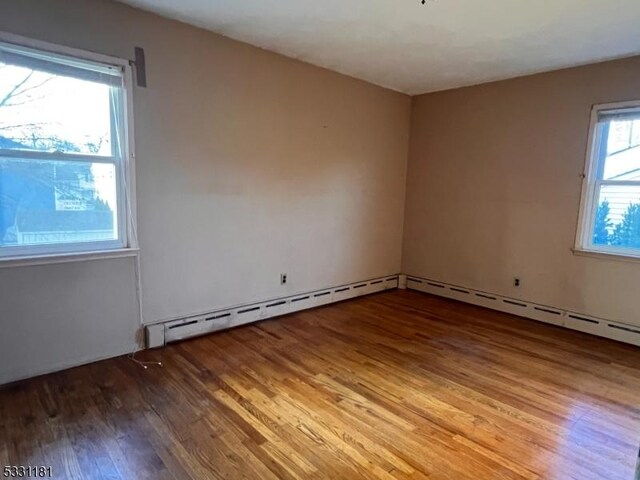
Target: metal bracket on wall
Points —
{"points": [[140, 67]]}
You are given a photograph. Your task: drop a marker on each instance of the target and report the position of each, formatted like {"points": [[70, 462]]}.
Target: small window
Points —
{"points": [[610, 210], [63, 154]]}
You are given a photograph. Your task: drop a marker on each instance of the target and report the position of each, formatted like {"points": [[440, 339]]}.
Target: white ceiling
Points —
{"points": [[417, 48]]}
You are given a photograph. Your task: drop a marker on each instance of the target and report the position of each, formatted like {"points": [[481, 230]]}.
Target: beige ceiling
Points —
{"points": [[417, 48]]}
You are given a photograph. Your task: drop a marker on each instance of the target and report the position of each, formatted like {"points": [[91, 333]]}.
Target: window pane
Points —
{"points": [[622, 161], [47, 112], [617, 220], [46, 202]]}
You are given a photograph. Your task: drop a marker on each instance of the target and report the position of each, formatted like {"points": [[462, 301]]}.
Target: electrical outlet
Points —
{"points": [[516, 282], [283, 278]]}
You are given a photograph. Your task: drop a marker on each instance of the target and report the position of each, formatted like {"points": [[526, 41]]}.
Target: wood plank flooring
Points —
{"points": [[399, 385]]}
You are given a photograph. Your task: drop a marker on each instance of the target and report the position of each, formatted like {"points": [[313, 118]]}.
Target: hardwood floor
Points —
{"points": [[395, 385]]}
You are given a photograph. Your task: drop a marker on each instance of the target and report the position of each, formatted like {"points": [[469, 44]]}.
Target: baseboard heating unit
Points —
{"points": [[542, 313], [160, 334]]}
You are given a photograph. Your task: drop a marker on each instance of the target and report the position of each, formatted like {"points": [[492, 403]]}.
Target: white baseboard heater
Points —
{"points": [[542, 313], [160, 334]]}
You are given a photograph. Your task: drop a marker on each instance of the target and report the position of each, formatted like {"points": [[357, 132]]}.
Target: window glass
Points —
{"points": [[622, 161], [612, 202], [617, 219], [48, 202], [60, 164], [46, 112]]}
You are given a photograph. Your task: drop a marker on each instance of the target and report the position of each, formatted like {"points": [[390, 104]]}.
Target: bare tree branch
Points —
{"points": [[12, 92], [20, 125], [33, 87], [24, 102]]}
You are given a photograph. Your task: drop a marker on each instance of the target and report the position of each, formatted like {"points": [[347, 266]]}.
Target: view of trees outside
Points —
{"points": [[624, 234], [47, 201], [617, 220]]}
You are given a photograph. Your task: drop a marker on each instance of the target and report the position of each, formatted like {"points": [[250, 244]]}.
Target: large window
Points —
{"points": [[63, 154], [610, 211]]}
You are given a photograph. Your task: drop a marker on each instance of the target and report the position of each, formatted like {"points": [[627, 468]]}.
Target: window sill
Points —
{"points": [[25, 261], [615, 256]]}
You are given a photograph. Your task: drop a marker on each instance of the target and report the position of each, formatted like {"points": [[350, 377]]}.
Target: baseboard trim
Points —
{"points": [[160, 334], [541, 313]]}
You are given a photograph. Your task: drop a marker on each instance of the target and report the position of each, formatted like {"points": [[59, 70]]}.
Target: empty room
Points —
{"points": [[354, 239]]}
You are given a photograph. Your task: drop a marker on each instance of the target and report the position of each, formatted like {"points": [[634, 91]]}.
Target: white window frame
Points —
{"points": [[592, 181], [126, 244]]}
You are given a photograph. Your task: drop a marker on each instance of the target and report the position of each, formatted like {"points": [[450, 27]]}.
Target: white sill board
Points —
{"points": [[25, 261], [615, 256]]}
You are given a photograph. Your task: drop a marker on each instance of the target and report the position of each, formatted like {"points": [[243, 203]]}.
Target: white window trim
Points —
{"points": [[28, 261], [128, 245], [590, 185]]}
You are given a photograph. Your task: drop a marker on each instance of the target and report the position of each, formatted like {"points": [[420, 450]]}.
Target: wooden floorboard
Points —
{"points": [[398, 385]]}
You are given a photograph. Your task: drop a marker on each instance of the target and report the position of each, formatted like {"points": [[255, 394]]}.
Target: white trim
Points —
{"points": [[621, 183], [26, 261], [229, 317], [34, 251], [585, 214], [129, 159], [617, 107], [57, 156], [560, 317], [125, 177], [54, 48], [609, 253], [256, 302], [30, 57], [591, 184]]}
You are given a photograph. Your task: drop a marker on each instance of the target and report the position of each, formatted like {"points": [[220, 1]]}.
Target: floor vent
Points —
{"points": [[161, 333], [626, 329], [522, 308], [583, 319], [185, 324], [511, 302], [487, 297], [459, 290], [548, 310], [277, 304], [247, 310]]}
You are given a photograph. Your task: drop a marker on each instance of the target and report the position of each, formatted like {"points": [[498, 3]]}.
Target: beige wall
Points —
{"points": [[58, 316], [249, 164], [494, 184]]}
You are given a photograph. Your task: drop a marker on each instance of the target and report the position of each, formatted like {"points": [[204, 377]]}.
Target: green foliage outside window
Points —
{"points": [[625, 234]]}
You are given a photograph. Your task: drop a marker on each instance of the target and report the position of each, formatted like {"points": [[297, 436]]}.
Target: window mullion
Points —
{"points": [[621, 183], [56, 156], [593, 208]]}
